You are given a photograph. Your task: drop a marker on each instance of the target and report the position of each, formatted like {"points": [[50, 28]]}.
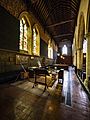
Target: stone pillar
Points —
{"points": [[75, 58], [87, 82], [79, 58]]}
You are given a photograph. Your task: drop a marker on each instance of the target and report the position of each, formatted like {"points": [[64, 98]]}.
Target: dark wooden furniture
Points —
{"points": [[40, 72], [61, 76], [61, 66]]}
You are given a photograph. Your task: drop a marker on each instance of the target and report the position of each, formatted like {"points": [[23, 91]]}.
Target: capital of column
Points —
{"points": [[87, 35], [79, 49]]}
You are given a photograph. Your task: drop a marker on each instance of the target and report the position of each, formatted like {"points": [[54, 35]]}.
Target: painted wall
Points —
{"points": [[43, 48], [9, 31], [8, 58], [16, 8]]}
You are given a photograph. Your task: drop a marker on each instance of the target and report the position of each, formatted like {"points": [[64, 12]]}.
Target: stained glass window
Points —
{"points": [[23, 34], [50, 50], [34, 41], [64, 50], [84, 46]]}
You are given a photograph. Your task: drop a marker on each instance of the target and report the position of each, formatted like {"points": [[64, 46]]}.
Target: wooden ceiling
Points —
{"points": [[58, 17]]}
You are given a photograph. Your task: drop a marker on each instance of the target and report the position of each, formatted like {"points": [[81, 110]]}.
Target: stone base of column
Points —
{"points": [[89, 85]]}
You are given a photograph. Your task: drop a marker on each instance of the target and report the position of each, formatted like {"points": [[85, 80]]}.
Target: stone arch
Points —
{"points": [[29, 33], [81, 33]]}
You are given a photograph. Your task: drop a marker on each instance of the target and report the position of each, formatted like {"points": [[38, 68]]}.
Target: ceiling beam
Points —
{"points": [[57, 36], [63, 22]]}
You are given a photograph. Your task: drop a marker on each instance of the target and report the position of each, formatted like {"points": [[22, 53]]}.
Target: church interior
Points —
{"points": [[44, 59]]}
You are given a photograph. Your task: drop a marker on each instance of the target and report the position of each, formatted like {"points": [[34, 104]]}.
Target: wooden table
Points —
{"points": [[40, 72]]}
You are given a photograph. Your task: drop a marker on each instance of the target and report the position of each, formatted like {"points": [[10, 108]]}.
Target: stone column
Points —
{"points": [[81, 59], [75, 58], [78, 59], [87, 81]]}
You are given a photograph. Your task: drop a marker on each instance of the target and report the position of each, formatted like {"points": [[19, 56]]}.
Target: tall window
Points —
{"points": [[50, 50], [64, 50], [50, 53], [34, 41], [23, 34], [84, 46]]}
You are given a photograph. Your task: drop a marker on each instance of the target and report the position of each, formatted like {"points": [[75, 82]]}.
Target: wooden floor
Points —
{"points": [[19, 101]]}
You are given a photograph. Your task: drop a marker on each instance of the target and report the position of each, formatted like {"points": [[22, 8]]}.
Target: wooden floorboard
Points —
{"points": [[17, 102]]}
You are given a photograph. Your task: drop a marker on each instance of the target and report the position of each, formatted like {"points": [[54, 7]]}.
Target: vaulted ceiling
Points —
{"points": [[58, 17]]}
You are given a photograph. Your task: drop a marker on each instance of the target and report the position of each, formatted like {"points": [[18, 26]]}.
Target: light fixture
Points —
{"points": [[58, 54]]}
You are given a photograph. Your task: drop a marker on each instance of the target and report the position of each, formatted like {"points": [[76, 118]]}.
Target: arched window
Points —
{"points": [[64, 50], [23, 34], [34, 41], [84, 46], [50, 53], [50, 50]]}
